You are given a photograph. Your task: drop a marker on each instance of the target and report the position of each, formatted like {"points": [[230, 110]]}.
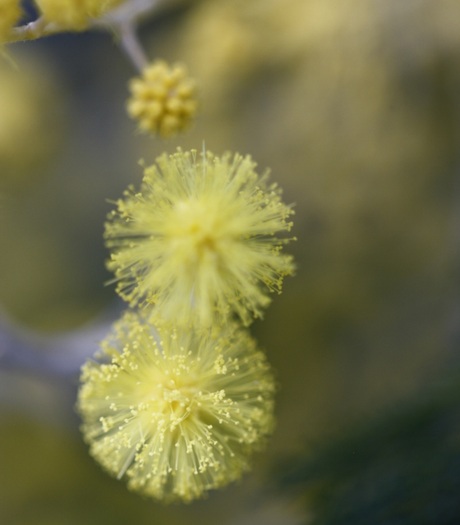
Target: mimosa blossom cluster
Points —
{"points": [[180, 395]]}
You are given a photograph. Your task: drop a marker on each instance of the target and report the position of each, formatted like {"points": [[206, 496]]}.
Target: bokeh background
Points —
{"points": [[355, 107]]}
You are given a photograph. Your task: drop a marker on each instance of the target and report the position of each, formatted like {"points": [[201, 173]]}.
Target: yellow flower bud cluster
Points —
{"points": [[10, 13], [163, 99], [74, 14], [31, 112], [180, 396]]}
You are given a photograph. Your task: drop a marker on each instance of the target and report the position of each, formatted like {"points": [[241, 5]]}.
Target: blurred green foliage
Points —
{"points": [[401, 467]]}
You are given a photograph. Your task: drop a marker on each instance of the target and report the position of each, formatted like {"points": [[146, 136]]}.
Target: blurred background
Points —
{"points": [[355, 107]]}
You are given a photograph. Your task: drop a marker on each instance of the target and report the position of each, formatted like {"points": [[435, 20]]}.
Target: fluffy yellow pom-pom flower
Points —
{"points": [[75, 14], [177, 411], [10, 13], [163, 99], [199, 241]]}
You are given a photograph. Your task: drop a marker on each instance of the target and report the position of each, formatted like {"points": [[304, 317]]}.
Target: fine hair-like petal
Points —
{"points": [[199, 239], [176, 411]]}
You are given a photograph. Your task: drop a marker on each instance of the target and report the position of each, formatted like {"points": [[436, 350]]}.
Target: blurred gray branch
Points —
{"points": [[56, 355]]}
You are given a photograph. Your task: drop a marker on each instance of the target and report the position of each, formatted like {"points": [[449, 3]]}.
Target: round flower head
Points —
{"points": [[163, 99], [75, 14], [199, 241], [177, 411], [10, 13]]}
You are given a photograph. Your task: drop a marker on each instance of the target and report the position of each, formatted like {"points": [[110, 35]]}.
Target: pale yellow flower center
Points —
{"points": [[197, 231], [173, 397]]}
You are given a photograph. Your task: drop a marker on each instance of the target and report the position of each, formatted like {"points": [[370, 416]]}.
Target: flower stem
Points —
{"points": [[130, 44]]}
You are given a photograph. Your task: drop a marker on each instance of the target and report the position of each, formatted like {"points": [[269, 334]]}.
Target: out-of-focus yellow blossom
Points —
{"points": [[232, 54], [163, 99], [177, 411], [10, 13], [75, 14], [31, 121], [247, 36], [199, 241]]}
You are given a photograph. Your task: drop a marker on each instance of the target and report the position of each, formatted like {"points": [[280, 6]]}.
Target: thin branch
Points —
{"points": [[132, 47], [123, 21], [60, 355], [34, 30], [129, 12], [132, 11]]}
